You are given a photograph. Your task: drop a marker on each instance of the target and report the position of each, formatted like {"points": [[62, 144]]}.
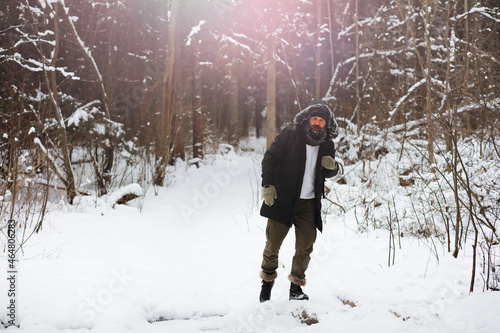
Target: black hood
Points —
{"points": [[318, 110]]}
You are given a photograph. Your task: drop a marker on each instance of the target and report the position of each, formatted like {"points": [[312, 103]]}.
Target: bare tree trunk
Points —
{"points": [[317, 68], [458, 217], [178, 138], [449, 105], [428, 98], [358, 96], [259, 105], [233, 123], [69, 180], [474, 257], [245, 120], [197, 119], [104, 175], [448, 111], [271, 92], [164, 135], [85, 51], [426, 71], [330, 27], [466, 61]]}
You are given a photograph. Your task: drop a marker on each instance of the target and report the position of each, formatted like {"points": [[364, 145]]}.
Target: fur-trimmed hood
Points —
{"points": [[319, 110]]}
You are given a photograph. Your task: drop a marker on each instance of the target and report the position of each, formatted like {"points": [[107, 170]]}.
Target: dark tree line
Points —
{"points": [[166, 79]]}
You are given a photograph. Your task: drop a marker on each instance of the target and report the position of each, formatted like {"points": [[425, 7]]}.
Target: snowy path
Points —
{"points": [[189, 262]]}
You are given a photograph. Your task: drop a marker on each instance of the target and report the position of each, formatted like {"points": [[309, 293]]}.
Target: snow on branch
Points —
{"points": [[485, 11], [82, 44], [195, 30], [51, 161], [33, 39], [349, 124], [474, 106], [405, 97], [82, 113], [409, 125], [40, 145], [385, 54], [235, 42], [369, 21], [34, 10], [88, 53], [480, 52], [38, 66]]}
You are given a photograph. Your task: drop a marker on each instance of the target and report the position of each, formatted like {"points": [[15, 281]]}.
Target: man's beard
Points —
{"points": [[315, 135], [316, 131]]}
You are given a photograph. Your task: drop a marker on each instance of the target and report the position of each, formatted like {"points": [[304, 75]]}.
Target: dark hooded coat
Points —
{"points": [[283, 166]]}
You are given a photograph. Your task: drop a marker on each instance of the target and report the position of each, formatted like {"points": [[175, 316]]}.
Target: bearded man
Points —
{"points": [[294, 169]]}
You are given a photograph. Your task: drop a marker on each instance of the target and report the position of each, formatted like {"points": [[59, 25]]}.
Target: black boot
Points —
{"points": [[296, 293], [265, 292]]}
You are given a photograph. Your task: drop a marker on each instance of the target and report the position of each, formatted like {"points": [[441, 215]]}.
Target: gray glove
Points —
{"points": [[269, 194], [328, 162]]}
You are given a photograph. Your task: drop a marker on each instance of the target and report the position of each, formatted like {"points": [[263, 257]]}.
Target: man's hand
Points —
{"points": [[328, 162], [269, 194]]}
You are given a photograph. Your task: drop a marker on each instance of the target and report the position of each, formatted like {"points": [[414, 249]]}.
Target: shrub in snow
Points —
{"points": [[125, 194]]}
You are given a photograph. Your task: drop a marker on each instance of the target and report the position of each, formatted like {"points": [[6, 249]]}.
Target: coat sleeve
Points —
{"points": [[273, 157], [330, 151]]}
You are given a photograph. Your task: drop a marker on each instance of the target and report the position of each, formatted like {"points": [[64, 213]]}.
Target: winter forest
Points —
{"points": [[118, 102]]}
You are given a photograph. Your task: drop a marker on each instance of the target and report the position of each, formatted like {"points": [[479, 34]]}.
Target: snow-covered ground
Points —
{"points": [[188, 260]]}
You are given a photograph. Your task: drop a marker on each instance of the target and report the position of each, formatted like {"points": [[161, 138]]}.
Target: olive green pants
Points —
{"points": [[305, 236]]}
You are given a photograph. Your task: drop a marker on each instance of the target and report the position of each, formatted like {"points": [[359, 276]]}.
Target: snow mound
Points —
{"points": [[125, 193]]}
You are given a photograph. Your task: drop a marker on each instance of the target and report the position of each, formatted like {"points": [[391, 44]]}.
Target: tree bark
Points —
{"points": [[233, 123], [108, 156], [197, 119], [358, 96], [447, 111], [466, 61], [164, 134], [69, 181], [317, 68], [330, 27], [428, 97], [271, 92], [259, 105]]}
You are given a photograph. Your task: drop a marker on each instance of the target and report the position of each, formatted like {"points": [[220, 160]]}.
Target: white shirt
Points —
{"points": [[307, 191]]}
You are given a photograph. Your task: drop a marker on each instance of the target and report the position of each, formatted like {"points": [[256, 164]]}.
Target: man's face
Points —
{"points": [[317, 123]]}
